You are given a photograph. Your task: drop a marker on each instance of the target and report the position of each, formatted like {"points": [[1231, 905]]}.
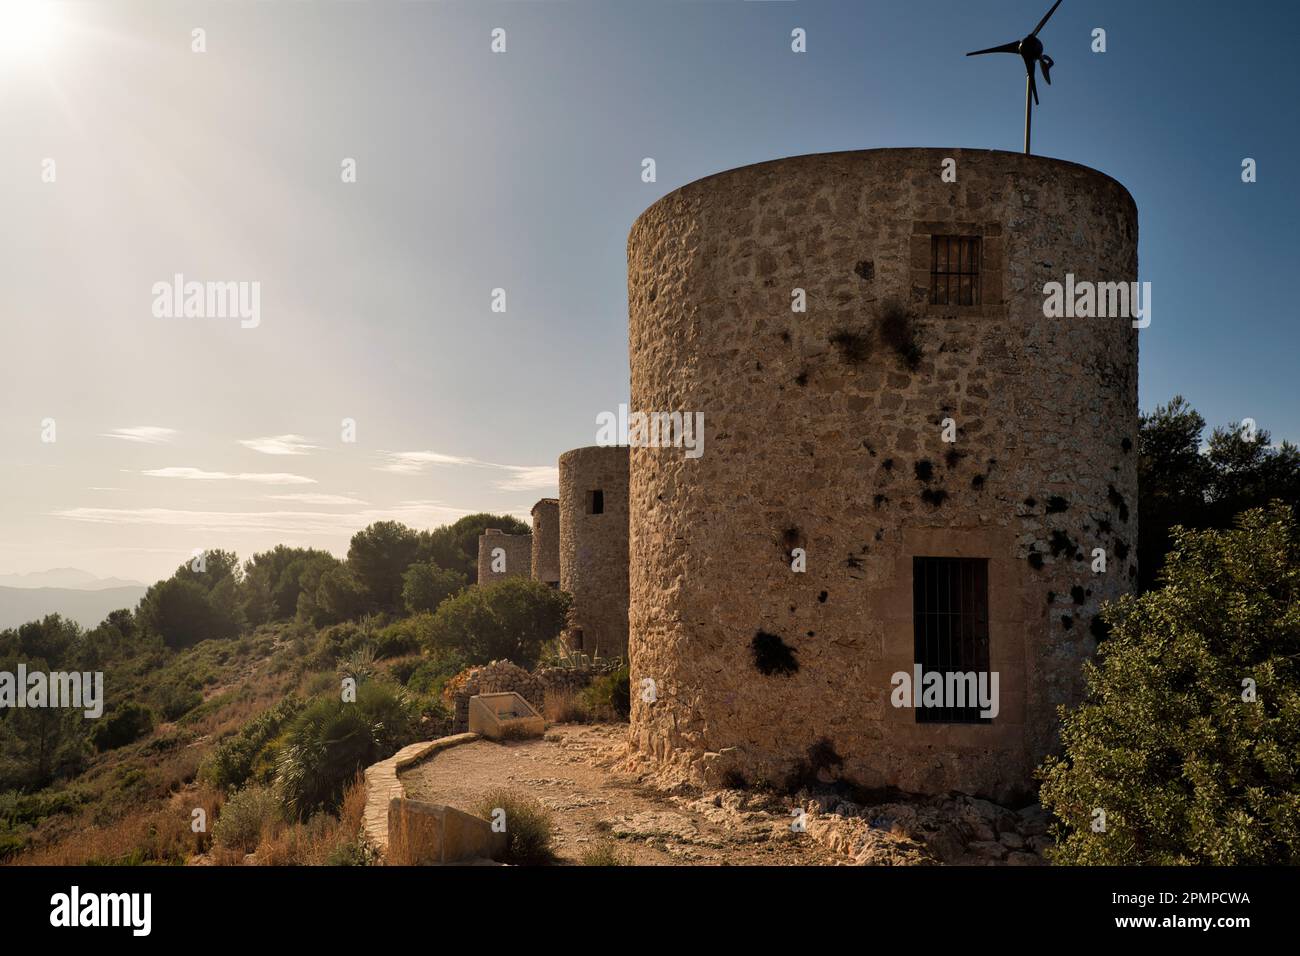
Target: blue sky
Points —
{"points": [[522, 171]]}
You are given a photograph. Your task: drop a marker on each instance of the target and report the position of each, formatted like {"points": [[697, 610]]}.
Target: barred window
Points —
{"points": [[950, 619], [954, 270]]}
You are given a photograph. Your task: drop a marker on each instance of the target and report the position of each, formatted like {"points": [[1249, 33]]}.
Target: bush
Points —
{"points": [[244, 817], [397, 640], [528, 827], [231, 763], [329, 743], [425, 586], [604, 853], [511, 620], [1187, 764], [609, 695], [431, 674], [129, 723], [175, 700]]}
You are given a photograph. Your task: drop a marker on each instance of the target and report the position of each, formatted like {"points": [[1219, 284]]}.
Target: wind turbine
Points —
{"points": [[1031, 51]]}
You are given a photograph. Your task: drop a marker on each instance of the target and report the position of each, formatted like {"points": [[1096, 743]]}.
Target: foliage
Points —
{"points": [[425, 586], [378, 556], [610, 695], [231, 763], [528, 827], [128, 723], [1181, 484], [245, 816], [1187, 765], [511, 619]]}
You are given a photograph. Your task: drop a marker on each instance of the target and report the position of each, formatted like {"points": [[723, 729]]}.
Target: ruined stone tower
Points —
{"points": [[836, 317], [593, 546], [516, 557], [546, 541]]}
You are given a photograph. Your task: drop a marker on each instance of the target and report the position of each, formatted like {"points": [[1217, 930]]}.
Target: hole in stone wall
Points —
{"points": [[596, 502], [899, 333], [1056, 504], [1076, 594], [801, 379], [822, 597], [1117, 501], [1126, 444], [934, 496], [977, 482], [772, 655], [1067, 622], [924, 470], [865, 270], [1035, 560]]}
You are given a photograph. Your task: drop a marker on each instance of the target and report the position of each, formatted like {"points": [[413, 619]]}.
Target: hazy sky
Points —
{"points": [[521, 171]]}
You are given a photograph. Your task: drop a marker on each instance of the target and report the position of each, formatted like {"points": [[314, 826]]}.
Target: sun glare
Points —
{"points": [[28, 30]]}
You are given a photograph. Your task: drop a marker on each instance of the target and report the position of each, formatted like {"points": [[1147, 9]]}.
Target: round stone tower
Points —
{"points": [[546, 541], [909, 468], [502, 556], [593, 546]]}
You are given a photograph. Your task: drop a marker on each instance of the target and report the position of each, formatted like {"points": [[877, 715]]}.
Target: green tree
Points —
{"points": [[510, 620], [39, 744], [1189, 741], [455, 546], [425, 586], [341, 597], [181, 611], [378, 557]]}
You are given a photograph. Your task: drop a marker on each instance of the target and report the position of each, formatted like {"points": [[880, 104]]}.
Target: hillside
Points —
{"points": [[87, 607]]}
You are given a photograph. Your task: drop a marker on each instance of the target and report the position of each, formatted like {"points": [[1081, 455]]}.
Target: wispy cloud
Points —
{"points": [[521, 477], [280, 445], [416, 514], [198, 474], [315, 498], [145, 434]]}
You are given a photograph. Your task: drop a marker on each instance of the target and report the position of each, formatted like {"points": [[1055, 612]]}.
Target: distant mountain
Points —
{"points": [[65, 578], [86, 607]]}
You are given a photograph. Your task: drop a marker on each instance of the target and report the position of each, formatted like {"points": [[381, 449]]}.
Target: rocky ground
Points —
{"points": [[576, 772]]}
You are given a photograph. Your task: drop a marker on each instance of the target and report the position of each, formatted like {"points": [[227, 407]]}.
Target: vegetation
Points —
{"points": [[511, 619], [529, 831], [1188, 748]]}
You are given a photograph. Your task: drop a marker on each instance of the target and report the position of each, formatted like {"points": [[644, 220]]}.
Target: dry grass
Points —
{"points": [[564, 707]]}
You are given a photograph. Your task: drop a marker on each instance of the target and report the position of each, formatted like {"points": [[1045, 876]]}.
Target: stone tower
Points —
{"points": [[593, 546], [546, 541], [517, 556], [884, 396]]}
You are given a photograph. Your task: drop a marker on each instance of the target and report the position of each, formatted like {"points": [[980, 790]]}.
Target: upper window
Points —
{"points": [[950, 620], [596, 502], [954, 270]]}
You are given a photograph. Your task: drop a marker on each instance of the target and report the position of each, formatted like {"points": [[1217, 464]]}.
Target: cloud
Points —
{"points": [[147, 434], [529, 478], [198, 474], [415, 462], [280, 445], [522, 477], [416, 514], [315, 498]]}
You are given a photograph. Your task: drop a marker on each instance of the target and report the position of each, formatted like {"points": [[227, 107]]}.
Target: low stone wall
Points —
{"points": [[560, 680], [382, 785], [494, 678]]}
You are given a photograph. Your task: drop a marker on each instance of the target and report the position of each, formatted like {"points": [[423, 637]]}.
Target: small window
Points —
{"points": [[950, 620], [596, 502], [954, 270]]}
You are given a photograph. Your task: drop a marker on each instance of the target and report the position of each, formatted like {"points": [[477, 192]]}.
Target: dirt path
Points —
{"points": [[570, 772]]}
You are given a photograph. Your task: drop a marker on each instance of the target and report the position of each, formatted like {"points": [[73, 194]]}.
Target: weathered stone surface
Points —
{"points": [[816, 430], [546, 541], [517, 557], [420, 834], [594, 549], [496, 677]]}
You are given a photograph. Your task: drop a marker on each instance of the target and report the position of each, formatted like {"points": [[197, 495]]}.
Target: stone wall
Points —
{"points": [[496, 677], [824, 431], [546, 541], [593, 547], [518, 555]]}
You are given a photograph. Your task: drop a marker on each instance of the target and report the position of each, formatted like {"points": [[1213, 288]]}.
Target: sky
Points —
{"points": [[521, 171]]}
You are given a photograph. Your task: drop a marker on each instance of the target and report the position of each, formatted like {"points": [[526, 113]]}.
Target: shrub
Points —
{"points": [[511, 620], [231, 763], [396, 640], [604, 853], [175, 700], [528, 827], [425, 586], [245, 816], [129, 723], [327, 745], [610, 695], [1188, 765], [432, 673]]}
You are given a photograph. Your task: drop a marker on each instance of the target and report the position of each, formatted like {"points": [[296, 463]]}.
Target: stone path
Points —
{"points": [[382, 784]]}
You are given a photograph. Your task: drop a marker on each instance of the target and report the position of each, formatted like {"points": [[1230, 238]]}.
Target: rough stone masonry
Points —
{"points": [[826, 437]]}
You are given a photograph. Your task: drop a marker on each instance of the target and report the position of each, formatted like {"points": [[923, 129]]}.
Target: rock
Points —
{"points": [[1025, 859], [1012, 840], [988, 849]]}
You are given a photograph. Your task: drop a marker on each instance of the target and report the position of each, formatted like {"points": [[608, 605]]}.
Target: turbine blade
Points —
{"points": [[1046, 63], [1012, 47], [1033, 87], [1043, 22]]}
